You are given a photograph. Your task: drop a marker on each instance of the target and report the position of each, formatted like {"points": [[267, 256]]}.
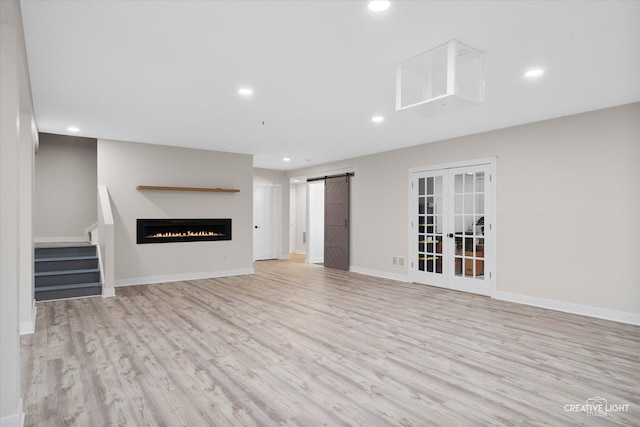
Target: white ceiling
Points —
{"points": [[167, 72]]}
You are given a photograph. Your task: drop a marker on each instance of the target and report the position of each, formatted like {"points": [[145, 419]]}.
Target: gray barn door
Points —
{"points": [[336, 223]]}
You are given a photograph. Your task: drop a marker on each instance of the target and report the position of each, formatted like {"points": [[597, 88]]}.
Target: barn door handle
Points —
{"points": [[450, 235]]}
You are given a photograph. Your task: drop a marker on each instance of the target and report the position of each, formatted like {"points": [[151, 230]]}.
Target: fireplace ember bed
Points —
{"points": [[182, 230]]}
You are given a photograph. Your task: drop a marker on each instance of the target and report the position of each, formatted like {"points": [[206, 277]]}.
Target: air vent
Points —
{"points": [[398, 261]]}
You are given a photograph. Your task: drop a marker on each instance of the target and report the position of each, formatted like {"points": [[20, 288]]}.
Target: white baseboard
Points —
{"points": [[381, 274], [585, 310], [180, 277], [15, 420], [29, 327], [108, 292], [60, 239]]}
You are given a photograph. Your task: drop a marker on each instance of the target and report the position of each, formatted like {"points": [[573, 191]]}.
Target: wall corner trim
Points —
{"points": [[15, 420], [180, 277], [584, 310], [108, 292], [29, 327]]}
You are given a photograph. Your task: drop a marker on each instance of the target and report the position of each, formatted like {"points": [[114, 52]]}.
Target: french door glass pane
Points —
{"points": [[480, 204], [468, 183], [469, 209], [468, 204], [458, 184], [430, 224], [438, 189], [480, 182]]}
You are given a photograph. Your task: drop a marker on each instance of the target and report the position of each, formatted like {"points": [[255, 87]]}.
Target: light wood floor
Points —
{"points": [[303, 345]]}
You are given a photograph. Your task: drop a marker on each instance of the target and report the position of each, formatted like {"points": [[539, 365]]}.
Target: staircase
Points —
{"points": [[66, 272]]}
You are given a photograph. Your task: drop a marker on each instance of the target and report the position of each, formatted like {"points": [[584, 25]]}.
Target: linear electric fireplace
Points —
{"points": [[182, 230]]}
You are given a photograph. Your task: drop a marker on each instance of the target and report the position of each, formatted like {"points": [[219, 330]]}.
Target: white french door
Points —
{"points": [[452, 241]]}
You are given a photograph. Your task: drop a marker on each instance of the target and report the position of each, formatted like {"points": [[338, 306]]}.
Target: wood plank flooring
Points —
{"points": [[300, 345]]}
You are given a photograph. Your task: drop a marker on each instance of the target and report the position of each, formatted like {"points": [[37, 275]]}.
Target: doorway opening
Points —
{"points": [[320, 222]]}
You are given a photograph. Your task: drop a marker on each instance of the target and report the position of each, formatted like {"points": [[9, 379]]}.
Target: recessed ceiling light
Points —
{"points": [[245, 91], [286, 159], [377, 119], [379, 5], [73, 129], [536, 72]]}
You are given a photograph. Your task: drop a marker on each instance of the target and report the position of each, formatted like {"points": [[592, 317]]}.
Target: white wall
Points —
{"points": [[281, 181], [568, 205], [124, 165], [16, 118], [66, 190]]}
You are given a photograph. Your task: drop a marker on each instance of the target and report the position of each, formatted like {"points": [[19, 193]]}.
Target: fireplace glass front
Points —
{"points": [[182, 230]]}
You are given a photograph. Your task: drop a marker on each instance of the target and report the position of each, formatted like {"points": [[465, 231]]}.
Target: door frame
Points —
{"points": [[490, 259]]}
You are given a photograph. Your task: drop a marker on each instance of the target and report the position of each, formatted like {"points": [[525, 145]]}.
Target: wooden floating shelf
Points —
{"points": [[203, 189]]}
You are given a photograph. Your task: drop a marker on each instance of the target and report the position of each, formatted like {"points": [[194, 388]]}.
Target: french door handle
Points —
{"points": [[450, 235]]}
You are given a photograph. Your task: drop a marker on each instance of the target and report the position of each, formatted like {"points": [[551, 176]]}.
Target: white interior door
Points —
{"points": [[451, 234], [315, 222], [265, 223]]}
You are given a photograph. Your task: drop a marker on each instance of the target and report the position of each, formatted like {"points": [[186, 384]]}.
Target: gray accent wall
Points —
{"points": [[124, 165], [568, 207], [66, 190]]}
